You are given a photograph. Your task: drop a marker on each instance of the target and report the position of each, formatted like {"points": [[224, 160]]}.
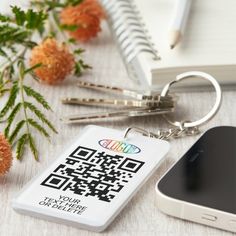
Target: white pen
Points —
{"points": [[181, 12]]}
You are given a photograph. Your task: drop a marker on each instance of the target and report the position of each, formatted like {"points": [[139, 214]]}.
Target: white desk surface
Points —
{"points": [[140, 216]]}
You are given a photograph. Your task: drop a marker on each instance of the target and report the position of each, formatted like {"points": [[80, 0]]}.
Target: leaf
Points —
{"points": [[80, 66], [79, 51], [11, 118], [11, 71], [37, 96], [73, 2], [20, 146], [52, 34], [20, 16], [4, 18], [11, 100], [30, 19], [9, 35], [37, 126], [69, 27], [20, 36], [37, 3], [34, 19], [85, 66], [33, 147], [51, 4], [3, 91], [13, 49], [1, 79], [32, 68], [71, 40], [78, 69], [3, 53], [35, 77], [40, 115], [16, 131], [30, 44], [5, 34]]}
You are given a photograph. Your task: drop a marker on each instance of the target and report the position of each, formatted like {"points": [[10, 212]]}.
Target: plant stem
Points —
{"points": [[5, 70], [21, 78], [18, 55], [54, 21]]}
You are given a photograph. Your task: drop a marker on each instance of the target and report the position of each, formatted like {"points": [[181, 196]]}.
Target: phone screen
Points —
{"points": [[206, 174]]}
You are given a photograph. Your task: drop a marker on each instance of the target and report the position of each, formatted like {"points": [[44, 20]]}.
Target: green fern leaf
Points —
{"points": [[37, 96], [11, 118], [73, 2], [4, 18], [30, 19], [11, 100], [16, 131], [20, 146], [33, 147], [40, 115], [3, 91], [31, 69], [37, 126]]}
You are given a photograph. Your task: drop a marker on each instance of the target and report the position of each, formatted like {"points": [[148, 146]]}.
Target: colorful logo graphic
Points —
{"points": [[119, 146]]}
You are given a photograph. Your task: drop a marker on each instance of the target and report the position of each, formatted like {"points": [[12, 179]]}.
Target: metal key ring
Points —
{"points": [[211, 113]]}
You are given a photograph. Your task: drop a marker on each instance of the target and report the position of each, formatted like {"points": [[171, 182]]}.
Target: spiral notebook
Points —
{"points": [[140, 28]]}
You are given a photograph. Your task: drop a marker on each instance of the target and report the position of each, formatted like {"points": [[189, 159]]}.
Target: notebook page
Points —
{"points": [[209, 38]]}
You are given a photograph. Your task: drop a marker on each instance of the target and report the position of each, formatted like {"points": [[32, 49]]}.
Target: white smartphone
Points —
{"points": [[201, 186]]}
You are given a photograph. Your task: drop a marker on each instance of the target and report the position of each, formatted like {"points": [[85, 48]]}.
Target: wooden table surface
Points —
{"points": [[141, 215]]}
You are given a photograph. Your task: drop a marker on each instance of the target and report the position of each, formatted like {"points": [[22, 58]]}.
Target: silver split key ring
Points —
{"points": [[184, 127]]}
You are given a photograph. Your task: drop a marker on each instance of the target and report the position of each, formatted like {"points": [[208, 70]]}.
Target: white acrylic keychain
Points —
{"points": [[91, 182], [93, 179]]}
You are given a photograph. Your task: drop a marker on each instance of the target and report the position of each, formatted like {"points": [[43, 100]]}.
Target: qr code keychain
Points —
{"points": [[91, 182]]}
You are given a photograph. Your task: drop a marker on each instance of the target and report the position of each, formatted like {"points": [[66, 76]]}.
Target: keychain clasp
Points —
{"points": [[211, 113], [183, 128]]}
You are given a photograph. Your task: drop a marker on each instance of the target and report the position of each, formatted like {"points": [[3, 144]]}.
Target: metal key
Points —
{"points": [[124, 113], [118, 103], [139, 103], [140, 95]]}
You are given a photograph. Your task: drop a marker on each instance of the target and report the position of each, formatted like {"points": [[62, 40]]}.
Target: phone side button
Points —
{"points": [[209, 217]]}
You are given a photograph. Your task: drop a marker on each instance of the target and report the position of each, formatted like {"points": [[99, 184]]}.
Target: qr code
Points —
{"points": [[88, 172]]}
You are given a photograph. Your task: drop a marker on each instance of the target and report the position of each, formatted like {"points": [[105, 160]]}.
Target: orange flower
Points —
{"points": [[5, 155], [92, 7], [86, 16], [57, 61]]}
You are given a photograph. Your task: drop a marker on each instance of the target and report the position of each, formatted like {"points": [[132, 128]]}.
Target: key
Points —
{"points": [[140, 103], [164, 103], [115, 114], [141, 95]]}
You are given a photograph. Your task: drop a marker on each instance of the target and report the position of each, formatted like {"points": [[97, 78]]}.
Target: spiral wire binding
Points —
{"points": [[129, 31]]}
